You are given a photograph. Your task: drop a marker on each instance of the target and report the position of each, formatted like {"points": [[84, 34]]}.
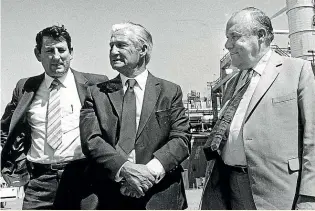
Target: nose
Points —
{"points": [[114, 50], [228, 44], [56, 55]]}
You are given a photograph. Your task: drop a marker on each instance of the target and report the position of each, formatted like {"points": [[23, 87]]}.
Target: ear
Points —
{"points": [[143, 50], [37, 54], [262, 34], [71, 53]]}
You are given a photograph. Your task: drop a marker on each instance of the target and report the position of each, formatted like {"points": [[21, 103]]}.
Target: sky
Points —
{"points": [[188, 36]]}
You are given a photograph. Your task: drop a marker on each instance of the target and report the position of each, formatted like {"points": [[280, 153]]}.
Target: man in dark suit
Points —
{"points": [[263, 143], [135, 131], [40, 127]]}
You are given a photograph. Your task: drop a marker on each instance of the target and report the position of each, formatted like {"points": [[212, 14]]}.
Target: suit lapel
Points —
{"points": [[29, 90], [114, 89], [80, 82], [268, 77], [151, 94]]}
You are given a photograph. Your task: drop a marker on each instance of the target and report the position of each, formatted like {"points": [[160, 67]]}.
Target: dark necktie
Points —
{"points": [[128, 128], [53, 116], [220, 131]]}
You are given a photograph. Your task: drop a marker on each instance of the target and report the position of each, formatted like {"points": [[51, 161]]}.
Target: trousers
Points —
{"points": [[55, 189], [229, 189]]}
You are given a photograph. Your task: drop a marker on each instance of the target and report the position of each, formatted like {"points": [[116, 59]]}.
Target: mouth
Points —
{"points": [[116, 60], [58, 64]]}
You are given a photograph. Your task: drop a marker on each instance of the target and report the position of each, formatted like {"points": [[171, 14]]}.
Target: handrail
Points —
{"points": [[279, 50]]}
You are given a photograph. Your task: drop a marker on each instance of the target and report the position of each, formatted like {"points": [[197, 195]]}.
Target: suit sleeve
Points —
{"points": [[95, 79], [7, 115], [306, 100], [93, 142], [177, 148]]}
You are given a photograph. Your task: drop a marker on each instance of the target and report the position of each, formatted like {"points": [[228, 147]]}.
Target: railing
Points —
{"points": [[280, 51], [226, 59]]}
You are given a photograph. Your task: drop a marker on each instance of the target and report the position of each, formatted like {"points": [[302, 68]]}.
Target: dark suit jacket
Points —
{"points": [[15, 132], [278, 135], [162, 133]]}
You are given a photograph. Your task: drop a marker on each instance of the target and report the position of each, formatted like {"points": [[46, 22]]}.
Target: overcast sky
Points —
{"points": [[188, 35]]}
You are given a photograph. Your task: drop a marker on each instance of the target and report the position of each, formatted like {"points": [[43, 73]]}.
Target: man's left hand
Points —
{"points": [[127, 190], [137, 176]]}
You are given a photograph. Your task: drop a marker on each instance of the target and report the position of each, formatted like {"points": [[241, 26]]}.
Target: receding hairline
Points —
{"points": [[244, 16]]}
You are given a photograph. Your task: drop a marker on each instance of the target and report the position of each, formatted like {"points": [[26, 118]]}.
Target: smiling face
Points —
{"points": [[55, 56], [125, 54], [243, 45]]}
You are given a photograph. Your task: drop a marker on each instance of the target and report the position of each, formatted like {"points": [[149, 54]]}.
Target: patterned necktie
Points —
{"points": [[53, 116], [128, 128], [220, 131]]}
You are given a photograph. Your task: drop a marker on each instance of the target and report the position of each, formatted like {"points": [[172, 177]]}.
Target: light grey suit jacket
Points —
{"points": [[279, 135]]}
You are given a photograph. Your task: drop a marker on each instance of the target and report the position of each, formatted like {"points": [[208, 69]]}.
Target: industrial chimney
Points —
{"points": [[301, 20]]}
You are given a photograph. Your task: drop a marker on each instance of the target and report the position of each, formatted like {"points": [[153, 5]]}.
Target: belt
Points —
{"points": [[54, 166], [239, 169]]}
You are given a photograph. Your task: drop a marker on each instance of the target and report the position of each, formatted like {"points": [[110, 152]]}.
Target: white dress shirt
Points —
{"points": [[233, 152], [154, 165], [70, 148]]}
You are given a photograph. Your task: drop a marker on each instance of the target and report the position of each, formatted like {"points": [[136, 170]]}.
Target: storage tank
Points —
{"points": [[301, 27]]}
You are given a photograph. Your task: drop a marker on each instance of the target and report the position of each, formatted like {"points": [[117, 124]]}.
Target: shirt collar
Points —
{"points": [[64, 80], [141, 79], [261, 65]]}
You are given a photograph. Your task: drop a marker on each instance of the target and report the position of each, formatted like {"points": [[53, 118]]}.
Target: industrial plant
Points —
{"points": [[203, 111]]}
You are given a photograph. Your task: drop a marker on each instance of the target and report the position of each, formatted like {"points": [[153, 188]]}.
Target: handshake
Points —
{"points": [[137, 179]]}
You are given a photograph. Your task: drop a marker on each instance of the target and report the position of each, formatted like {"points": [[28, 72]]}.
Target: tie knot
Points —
{"points": [[249, 74], [55, 83], [131, 83]]}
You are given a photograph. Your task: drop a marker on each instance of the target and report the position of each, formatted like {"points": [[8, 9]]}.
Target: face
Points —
{"points": [[55, 56], [241, 43], [124, 55]]}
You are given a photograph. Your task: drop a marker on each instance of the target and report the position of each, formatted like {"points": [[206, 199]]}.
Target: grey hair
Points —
{"points": [[142, 36], [261, 20]]}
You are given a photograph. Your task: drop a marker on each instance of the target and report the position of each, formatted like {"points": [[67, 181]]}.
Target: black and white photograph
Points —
{"points": [[157, 105]]}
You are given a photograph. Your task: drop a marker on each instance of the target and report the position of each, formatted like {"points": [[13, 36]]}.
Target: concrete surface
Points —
{"points": [[193, 197]]}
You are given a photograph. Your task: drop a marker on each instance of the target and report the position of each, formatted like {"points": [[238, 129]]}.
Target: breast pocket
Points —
{"points": [[284, 99], [163, 118]]}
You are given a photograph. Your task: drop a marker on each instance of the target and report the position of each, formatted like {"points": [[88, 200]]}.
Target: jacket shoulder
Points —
{"points": [[168, 84], [29, 82], [92, 78], [95, 78]]}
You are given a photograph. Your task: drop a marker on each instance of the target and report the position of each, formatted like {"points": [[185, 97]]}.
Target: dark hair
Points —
{"points": [[262, 20], [56, 32]]}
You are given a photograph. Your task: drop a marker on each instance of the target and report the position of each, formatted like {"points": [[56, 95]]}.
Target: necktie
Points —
{"points": [[220, 131], [128, 128], [53, 116]]}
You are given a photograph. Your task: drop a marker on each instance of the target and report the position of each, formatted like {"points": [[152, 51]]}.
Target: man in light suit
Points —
{"points": [[264, 146], [147, 174], [52, 174]]}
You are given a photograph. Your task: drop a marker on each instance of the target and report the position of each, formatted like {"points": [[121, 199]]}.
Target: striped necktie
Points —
{"points": [[220, 132], [53, 116], [128, 127]]}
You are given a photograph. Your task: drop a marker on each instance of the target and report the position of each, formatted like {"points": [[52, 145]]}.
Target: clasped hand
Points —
{"points": [[138, 179]]}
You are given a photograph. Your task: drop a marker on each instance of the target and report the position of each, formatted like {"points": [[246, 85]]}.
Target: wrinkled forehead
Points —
{"points": [[123, 35]]}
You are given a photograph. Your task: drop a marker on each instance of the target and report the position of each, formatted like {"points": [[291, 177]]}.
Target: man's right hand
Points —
{"points": [[138, 176]]}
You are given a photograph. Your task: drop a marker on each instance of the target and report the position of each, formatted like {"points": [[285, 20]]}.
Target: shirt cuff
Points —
{"points": [[118, 178], [157, 169], [305, 203]]}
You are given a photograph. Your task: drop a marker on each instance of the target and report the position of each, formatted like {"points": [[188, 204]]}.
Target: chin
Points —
{"points": [[59, 73]]}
